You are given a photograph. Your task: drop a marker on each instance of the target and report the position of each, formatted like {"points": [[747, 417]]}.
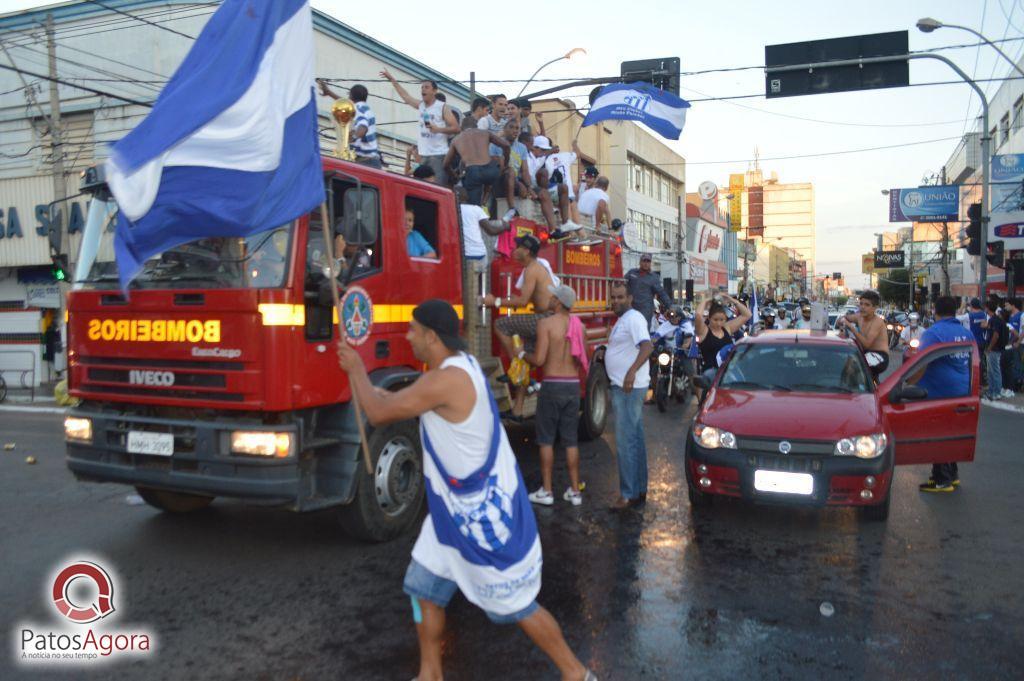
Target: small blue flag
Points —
{"points": [[662, 112]]}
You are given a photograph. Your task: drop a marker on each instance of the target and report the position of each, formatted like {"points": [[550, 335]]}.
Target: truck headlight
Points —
{"points": [[78, 429], [915, 343], [713, 438], [862, 446], [664, 358], [261, 443]]}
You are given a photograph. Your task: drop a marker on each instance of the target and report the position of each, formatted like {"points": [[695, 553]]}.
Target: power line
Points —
{"points": [[137, 18], [86, 27], [86, 88]]}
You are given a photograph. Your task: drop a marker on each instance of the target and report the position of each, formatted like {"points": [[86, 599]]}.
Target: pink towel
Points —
{"points": [[506, 243], [577, 342]]}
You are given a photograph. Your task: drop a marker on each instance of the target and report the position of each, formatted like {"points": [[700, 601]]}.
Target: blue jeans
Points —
{"points": [[631, 450], [995, 373]]}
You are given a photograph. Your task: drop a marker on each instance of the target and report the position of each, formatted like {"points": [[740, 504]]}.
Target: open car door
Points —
{"points": [[932, 429]]}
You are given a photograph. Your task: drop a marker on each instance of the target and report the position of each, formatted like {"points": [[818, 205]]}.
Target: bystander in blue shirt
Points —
{"points": [[948, 376]]}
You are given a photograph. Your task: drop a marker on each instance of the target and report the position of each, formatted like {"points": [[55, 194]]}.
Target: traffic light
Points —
{"points": [[59, 268], [974, 229], [995, 253]]}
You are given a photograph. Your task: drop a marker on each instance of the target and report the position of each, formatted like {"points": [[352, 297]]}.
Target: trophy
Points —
{"points": [[343, 111]]}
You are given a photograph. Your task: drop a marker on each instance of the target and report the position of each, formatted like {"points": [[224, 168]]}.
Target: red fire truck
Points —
{"points": [[217, 375]]}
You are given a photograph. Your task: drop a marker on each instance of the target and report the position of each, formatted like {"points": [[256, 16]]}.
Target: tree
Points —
{"points": [[841, 300], [893, 286]]}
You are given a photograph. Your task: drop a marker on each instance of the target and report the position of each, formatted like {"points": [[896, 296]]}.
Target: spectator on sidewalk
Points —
{"points": [[436, 122], [1014, 352], [629, 348], [998, 336]]}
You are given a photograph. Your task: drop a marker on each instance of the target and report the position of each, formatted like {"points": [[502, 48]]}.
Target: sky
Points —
{"points": [[720, 137]]}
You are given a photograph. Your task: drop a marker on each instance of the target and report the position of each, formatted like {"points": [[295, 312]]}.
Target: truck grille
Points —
{"points": [[173, 379]]}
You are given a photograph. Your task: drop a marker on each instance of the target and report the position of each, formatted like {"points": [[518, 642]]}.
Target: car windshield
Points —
{"points": [[257, 261], [803, 367]]}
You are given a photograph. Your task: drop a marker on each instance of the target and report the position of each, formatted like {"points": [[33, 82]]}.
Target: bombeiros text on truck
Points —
{"points": [[216, 375]]}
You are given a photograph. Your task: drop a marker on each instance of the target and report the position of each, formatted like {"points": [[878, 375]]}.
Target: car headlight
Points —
{"points": [[713, 438], [889, 326], [862, 446], [915, 343], [78, 429], [261, 443], [664, 358]]}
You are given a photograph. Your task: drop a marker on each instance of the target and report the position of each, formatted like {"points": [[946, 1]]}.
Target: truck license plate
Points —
{"points": [[784, 483], [159, 444]]}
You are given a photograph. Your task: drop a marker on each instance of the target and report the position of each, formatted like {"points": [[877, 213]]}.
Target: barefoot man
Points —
{"points": [[481, 535], [533, 288]]}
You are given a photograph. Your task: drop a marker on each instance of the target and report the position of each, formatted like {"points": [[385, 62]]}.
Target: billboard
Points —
{"points": [[1007, 227], [1007, 182], [867, 263], [755, 211], [709, 240], [736, 181], [889, 259], [925, 204]]}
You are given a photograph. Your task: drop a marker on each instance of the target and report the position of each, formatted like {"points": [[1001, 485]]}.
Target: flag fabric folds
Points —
{"points": [[231, 146], [661, 111]]}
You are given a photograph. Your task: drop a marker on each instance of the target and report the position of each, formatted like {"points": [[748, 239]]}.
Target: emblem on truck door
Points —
{"points": [[356, 315]]}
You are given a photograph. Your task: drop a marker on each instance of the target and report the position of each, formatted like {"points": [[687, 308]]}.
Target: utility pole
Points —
{"points": [[944, 251], [679, 246], [910, 269], [58, 241]]}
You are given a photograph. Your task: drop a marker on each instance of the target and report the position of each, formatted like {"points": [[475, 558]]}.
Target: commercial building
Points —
{"points": [[128, 57], [767, 211]]}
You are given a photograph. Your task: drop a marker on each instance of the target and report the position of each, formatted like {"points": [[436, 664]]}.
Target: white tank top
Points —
{"points": [[462, 447], [430, 143]]}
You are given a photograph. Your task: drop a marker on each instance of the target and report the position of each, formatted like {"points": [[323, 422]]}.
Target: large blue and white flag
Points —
{"points": [[755, 311], [662, 112], [230, 148]]}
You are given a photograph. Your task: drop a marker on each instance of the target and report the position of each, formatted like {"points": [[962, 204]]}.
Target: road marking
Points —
{"points": [[34, 410]]}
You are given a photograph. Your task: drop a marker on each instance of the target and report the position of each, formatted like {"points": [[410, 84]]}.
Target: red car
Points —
{"points": [[794, 418]]}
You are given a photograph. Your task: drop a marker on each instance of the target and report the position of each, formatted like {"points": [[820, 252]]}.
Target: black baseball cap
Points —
{"points": [[440, 317], [529, 242], [591, 171]]}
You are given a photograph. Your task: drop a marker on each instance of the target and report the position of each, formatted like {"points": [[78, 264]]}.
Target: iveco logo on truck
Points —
{"points": [[159, 378]]}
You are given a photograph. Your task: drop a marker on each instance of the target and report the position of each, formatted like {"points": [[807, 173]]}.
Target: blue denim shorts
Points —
{"points": [[423, 584]]}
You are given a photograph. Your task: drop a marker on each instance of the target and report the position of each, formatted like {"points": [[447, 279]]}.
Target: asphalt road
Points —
{"points": [[238, 592]]}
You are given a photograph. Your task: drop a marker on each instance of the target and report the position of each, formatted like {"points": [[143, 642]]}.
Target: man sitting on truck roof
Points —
{"points": [[533, 285]]}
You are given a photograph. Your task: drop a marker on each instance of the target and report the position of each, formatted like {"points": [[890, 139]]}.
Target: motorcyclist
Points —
{"points": [[804, 322], [783, 321], [912, 331], [768, 321]]}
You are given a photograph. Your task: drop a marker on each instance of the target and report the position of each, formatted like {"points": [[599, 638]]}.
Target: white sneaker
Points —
{"points": [[575, 498], [1007, 392], [542, 497], [570, 226]]}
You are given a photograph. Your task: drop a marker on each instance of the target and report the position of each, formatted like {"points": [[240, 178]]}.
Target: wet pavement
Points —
{"points": [[237, 592]]}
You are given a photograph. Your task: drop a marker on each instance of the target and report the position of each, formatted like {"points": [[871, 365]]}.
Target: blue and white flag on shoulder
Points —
{"points": [[662, 112], [230, 148]]}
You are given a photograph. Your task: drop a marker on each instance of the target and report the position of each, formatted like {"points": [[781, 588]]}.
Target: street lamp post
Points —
{"points": [[927, 25], [568, 55]]}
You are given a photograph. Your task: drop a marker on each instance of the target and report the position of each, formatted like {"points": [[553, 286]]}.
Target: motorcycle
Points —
{"points": [[671, 377]]}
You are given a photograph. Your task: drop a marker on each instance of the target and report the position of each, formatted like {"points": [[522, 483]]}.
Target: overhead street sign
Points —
{"points": [[661, 73], [823, 79]]}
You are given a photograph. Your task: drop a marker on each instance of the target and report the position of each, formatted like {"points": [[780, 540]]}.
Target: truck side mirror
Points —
{"points": [[360, 217]]}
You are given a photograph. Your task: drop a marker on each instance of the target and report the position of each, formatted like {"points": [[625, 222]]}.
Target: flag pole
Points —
{"points": [[329, 250]]}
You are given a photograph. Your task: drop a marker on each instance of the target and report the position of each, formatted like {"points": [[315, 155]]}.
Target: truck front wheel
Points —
{"points": [[388, 501], [173, 502]]}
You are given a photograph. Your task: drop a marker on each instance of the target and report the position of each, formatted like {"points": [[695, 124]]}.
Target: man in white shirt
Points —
{"points": [[625, 360], [559, 166], [595, 203], [436, 122]]}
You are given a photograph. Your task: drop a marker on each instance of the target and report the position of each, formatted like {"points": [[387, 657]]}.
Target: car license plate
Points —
{"points": [[783, 483], [159, 444]]}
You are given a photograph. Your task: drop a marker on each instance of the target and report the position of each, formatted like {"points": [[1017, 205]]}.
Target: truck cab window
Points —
{"points": [[369, 258], [420, 225]]}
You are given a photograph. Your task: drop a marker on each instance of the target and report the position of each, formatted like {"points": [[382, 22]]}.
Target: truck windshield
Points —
{"points": [[797, 367], [257, 261]]}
